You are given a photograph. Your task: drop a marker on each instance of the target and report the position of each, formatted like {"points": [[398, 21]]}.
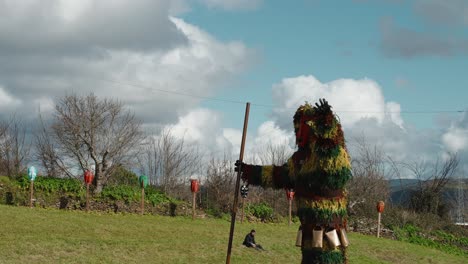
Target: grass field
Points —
{"points": [[54, 236]]}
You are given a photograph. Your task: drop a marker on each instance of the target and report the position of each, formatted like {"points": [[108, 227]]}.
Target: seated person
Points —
{"points": [[249, 241]]}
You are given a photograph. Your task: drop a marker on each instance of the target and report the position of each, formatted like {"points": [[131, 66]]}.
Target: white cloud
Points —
{"points": [[270, 133], [230, 141], [6, 100], [351, 99], [455, 138], [101, 46], [393, 111], [198, 126]]}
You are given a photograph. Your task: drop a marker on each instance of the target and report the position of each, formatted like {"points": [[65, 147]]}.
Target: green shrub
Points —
{"points": [[52, 185], [121, 192], [133, 194], [261, 210], [156, 197], [438, 239], [123, 176]]}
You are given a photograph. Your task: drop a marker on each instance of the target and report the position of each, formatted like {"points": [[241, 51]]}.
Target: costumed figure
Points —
{"points": [[318, 172]]}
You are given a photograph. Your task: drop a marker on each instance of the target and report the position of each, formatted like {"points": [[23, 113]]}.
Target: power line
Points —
{"points": [[152, 89], [176, 92]]}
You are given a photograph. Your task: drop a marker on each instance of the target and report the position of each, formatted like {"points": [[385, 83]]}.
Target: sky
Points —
{"points": [[394, 71]]}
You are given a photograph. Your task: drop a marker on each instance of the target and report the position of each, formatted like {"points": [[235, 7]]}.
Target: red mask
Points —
{"points": [[302, 135]]}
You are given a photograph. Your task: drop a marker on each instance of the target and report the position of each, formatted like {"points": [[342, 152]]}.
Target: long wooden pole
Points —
{"points": [[290, 211], [31, 190], [236, 191]]}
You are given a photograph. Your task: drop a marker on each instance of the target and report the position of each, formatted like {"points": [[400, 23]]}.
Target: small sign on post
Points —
{"points": [[32, 173], [194, 187], [143, 180], [88, 178], [380, 209], [290, 196]]}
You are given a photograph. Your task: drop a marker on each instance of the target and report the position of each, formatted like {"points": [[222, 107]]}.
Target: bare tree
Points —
{"points": [[169, 162], [370, 174], [276, 154], [92, 132], [426, 196], [149, 160], [46, 152], [220, 182], [14, 149]]}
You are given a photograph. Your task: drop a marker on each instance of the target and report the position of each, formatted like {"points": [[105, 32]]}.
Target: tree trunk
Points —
{"points": [[99, 187], [99, 179]]}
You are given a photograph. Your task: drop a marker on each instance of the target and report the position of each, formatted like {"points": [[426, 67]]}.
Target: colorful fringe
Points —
{"points": [[268, 176], [318, 172], [323, 211], [315, 256]]}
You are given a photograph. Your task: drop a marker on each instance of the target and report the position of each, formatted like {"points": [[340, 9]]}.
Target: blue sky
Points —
{"points": [[379, 63], [340, 39]]}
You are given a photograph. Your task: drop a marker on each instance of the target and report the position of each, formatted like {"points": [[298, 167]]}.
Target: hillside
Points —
{"points": [[400, 189], [60, 236]]}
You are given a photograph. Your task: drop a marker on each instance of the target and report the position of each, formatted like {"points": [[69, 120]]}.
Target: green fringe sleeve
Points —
{"points": [[268, 176]]}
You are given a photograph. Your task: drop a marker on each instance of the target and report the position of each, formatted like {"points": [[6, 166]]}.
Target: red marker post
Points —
{"points": [[290, 196], [194, 187], [380, 209], [88, 178]]}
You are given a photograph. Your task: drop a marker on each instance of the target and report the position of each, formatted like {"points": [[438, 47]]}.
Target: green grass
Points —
{"points": [[54, 236]]}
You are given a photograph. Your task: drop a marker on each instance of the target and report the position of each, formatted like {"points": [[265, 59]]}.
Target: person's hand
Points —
{"points": [[323, 106], [244, 169], [239, 166]]}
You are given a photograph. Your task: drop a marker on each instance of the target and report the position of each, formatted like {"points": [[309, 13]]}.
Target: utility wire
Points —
{"points": [[152, 89]]}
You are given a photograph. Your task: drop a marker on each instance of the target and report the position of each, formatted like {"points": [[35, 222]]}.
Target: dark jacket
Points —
{"points": [[249, 240]]}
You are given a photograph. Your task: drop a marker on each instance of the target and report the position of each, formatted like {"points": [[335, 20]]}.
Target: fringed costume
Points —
{"points": [[318, 172]]}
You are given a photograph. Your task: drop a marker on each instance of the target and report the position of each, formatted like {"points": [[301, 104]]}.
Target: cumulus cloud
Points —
{"points": [[231, 5], [6, 100], [352, 99], [203, 128], [271, 133], [198, 126], [383, 127], [84, 27], [364, 114], [455, 138], [133, 51]]}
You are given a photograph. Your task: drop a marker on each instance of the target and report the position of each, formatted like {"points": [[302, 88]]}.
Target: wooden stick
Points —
{"points": [[194, 199], [290, 211], [87, 197], [378, 226], [236, 191], [142, 201], [31, 190]]}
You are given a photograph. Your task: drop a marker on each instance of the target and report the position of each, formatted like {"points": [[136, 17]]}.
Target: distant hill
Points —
{"points": [[400, 189]]}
